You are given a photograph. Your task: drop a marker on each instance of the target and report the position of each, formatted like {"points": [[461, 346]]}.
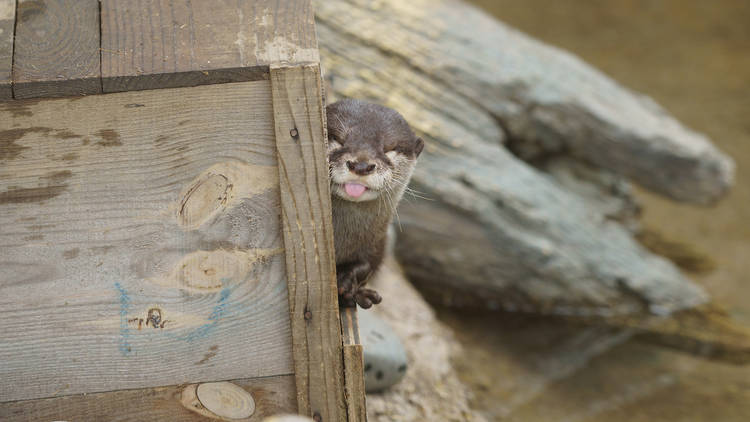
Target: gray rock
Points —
{"points": [[385, 356]]}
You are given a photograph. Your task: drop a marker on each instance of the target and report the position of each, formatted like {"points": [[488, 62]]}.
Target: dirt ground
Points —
{"points": [[693, 57]]}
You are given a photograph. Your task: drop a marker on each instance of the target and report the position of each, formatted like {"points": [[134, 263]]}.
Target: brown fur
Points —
{"points": [[367, 133]]}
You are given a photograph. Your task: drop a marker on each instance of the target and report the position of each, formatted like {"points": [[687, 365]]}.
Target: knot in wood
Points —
{"points": [[226, 400]]}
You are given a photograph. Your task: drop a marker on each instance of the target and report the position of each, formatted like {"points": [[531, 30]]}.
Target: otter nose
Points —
{"points": [[361, 168]]}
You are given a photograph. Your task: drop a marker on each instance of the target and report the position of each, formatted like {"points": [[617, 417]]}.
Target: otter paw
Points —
{"points": [[347, 302], [346, 289], [345, 283], [365, 298]]}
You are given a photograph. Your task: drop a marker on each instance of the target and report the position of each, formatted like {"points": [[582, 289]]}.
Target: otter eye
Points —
{"points": [[333, 138]]}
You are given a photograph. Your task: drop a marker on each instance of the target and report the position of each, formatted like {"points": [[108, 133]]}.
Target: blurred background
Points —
{"points": [[692, 57], [543, 258]]}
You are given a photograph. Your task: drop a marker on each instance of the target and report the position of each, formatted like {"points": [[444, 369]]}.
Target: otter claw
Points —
{"points": [[365, 298], [351, 295], [350, 290]]}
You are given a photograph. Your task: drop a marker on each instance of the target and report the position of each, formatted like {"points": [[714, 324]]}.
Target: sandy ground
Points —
{"points": [[693, 57]]}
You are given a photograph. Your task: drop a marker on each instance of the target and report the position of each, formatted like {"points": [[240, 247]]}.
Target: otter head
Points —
{"points": [[371, 151]]}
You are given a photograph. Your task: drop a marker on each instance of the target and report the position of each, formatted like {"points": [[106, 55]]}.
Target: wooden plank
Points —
{"points": [[140, 241], [354, 364], [349, 326], [7, 21], [271, 395], [148, 44], [354, 372], [308, 239], [56, 48]]}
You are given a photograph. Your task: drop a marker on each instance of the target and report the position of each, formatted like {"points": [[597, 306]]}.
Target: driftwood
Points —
{"points": [[548, 101], [485, 225]]}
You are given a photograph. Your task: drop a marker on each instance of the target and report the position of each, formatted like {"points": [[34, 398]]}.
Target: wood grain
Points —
{"points": [[354, 385], [56, 48], [349, 326], [308, 239], [354, 372], [140, 241], [224, 399], [149, 44], [272, 395], [7, 22]]}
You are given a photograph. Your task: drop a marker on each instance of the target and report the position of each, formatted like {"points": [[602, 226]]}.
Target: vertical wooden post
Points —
{"points": [[354, 374], [299, 121]]}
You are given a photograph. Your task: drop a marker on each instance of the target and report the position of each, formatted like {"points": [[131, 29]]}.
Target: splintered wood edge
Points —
{"points": [[299, 121], [354, 374], [354, 383], [349, 326]]}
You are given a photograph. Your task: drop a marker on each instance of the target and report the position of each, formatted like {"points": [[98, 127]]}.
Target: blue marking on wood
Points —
{"points": [[124, 343], [219, 311]]}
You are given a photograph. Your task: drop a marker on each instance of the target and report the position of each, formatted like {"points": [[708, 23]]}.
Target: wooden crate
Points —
{"points": [[175, 231]]}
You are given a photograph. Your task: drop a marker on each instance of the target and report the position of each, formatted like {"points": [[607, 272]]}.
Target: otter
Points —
{"points": [[372, 152]]}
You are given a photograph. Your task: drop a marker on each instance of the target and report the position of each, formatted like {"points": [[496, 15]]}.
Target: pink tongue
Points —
{"points": [[354, 189]]}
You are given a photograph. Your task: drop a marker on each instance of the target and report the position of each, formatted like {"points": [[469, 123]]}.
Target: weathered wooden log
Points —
{"points": [[548, 101], [486, 226]]}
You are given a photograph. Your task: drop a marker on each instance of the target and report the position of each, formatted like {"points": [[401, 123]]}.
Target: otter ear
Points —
{"points": [[420, 146]]}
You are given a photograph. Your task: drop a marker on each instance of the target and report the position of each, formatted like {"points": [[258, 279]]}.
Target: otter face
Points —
{"points": [[371, 151], [357, 176]]}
